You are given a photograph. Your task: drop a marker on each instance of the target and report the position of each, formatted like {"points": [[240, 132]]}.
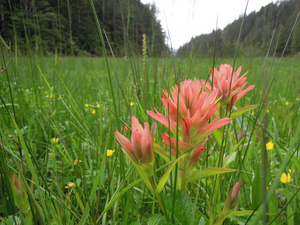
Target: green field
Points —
{"points": [[59, 114]]}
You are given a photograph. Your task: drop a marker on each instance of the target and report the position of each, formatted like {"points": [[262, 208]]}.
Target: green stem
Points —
{"points": [[218, 182], [158, 198], [183, 174]]}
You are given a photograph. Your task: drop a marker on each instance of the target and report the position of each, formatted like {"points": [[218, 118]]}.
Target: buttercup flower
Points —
{"points": [[196, 108], [285, 178], [131, 103], [269, 146], [93, 111], [76, 161], [110, 152], [287, 103], [86, 105], [54, 140], [229, 85], [70, 185]]}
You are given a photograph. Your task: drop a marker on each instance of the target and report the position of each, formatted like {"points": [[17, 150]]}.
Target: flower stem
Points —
{"points": [[183, 175], [158, 198]]}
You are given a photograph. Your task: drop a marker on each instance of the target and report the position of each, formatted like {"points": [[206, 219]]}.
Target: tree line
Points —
{"points": [[256, 34], [68, 26]]}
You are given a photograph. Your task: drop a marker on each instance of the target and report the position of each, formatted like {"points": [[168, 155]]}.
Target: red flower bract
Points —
{"points": [[228, 84], [196, 107], [140, 147]]}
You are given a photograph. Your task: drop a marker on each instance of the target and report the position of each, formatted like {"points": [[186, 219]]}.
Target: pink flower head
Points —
{"points": [[196, 107], [230, 90], [140, 148], [231, 199]]}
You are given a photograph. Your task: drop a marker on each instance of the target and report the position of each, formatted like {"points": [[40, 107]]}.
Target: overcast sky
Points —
{"points": [[189, 18]]}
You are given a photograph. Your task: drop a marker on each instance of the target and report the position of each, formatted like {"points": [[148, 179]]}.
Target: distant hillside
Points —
{"points": [[69, 27], [256, 33]]}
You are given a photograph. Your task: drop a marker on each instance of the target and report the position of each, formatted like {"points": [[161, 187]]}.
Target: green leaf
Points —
{"points": [[4, 43], [218, 136], [91, 199], [207, 173], [242, 111], [183, 208], [141, 110], [161, 151], [165, 177], [45, 78], [34, 175], [229, 159], [256, 188], [238, 144], [242, 213], [157, 219]]}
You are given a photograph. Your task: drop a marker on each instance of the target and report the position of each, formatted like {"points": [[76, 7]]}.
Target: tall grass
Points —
{"points": [[58, 116]]}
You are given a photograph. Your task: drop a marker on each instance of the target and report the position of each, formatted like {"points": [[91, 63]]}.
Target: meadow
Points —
{"points": [[61, 163]]}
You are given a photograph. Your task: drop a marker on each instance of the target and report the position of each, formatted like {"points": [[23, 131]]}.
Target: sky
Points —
{"points": [[189, 18]]}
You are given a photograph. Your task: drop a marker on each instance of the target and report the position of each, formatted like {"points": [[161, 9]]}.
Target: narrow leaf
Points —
{"points": [[207, 173], [242, 111], [165, 177]]}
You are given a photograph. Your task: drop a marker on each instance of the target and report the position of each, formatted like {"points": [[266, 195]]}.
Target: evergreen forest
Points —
{"points": [[68, 26], [270, 25]]}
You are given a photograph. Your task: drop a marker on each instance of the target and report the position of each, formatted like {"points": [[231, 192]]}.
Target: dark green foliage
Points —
{"points": [[256, 33], [182, 201], [47, 24]]}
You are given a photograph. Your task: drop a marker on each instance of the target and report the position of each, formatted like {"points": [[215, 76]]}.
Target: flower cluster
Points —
{"points": [[194, 109], [229, 85]]}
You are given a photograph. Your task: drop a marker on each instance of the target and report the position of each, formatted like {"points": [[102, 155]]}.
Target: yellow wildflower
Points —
{"points": [[298, 99], [287, 103], [52, 96], [50, 154], [46, 92], [93, 111], [70, 185], [267, 111], [141, 79], [76, 161], [110, 152], [275, 101], [252, 113], [98, 106], [291, 170], [269, 146], [54, 140], [86, 105], [285, 178], [131, 103]]}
